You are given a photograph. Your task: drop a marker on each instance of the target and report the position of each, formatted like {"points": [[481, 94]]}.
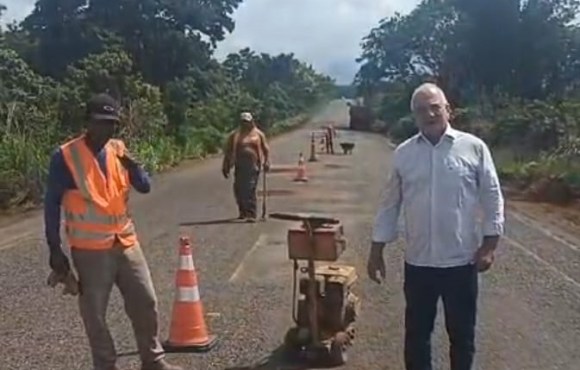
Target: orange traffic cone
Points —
{"points": [[188, 331], [301, 173]]}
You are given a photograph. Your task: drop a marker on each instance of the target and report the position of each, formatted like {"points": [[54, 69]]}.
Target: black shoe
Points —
{"points": [[161, 365]]}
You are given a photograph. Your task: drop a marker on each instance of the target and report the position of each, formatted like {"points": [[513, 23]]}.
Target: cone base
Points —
{"points": [[192, 348], [301, 180]]}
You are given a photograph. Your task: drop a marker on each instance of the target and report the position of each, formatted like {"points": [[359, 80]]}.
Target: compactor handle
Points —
{"points": [[305, 217]]}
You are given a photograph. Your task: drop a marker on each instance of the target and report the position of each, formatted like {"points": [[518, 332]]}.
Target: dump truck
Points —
{"points": [[361, 117]]}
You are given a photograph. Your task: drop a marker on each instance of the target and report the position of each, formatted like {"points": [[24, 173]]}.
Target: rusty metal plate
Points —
{"points": [[283, 168], [336, 165], [276, 192]]}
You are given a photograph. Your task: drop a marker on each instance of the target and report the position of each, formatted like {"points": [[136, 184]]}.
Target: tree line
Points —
{"points": [[511, 69], [157, 58]]}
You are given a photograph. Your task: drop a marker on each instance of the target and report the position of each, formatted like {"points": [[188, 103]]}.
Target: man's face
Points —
{"points": [[431, 109], [102, 130], [246, 124]]}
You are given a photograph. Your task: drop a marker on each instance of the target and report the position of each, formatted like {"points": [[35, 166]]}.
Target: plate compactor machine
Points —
{"points": [[326, 309]]}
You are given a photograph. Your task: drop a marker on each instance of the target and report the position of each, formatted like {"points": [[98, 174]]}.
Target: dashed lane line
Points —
{"points": [[542, 261], [260, 242], [537, 226]]}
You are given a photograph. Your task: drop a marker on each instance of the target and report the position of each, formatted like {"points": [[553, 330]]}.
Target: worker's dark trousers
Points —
{"points": [[329, 145], [126, 268], [245, 182], [458, 288]]}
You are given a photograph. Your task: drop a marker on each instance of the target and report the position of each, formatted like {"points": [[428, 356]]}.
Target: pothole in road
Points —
{"points": [[336, 165], [276, 192], [276, 169], [331, 201], [327, 195]]}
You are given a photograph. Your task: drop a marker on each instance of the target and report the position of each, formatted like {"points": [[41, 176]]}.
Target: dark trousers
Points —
{"points": [[458, 288], [126, 268], [245, 183], [329, 144]]}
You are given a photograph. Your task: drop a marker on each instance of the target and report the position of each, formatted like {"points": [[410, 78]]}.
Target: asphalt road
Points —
{"points": [[529, 315]]}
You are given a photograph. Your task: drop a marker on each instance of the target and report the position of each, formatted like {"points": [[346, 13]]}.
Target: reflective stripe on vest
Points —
{"points": [[76, 233], [76, 222], [95, 218]]}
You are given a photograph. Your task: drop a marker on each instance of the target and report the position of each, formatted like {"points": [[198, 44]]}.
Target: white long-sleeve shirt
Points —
{"points": [[442, 190]]}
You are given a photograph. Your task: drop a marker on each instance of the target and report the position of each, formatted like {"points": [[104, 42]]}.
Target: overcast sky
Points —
{"points": [[326, 33]]}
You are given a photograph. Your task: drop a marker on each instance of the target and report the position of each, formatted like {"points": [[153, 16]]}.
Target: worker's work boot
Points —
{"points": [[161, 365]]}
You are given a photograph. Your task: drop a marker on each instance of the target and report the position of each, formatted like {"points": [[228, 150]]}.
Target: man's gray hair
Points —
{"points": [[427, 87]]}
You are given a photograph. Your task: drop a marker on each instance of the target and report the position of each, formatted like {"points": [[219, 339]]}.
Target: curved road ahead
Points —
{"points": [[529, 308]]}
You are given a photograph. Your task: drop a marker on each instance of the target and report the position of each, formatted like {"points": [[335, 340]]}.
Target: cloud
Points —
{"points": [[325, 33], [17, 9]]}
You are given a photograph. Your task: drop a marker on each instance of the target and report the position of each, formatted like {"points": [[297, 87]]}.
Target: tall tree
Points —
{"points": [[162, 36], [477, 47]]}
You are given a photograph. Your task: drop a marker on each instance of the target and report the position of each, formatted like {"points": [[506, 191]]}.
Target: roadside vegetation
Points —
{"points": [[157, 58], [511, 69]]}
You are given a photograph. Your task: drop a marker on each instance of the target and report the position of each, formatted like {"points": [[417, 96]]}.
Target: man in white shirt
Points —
{"points": [[445, 181]]}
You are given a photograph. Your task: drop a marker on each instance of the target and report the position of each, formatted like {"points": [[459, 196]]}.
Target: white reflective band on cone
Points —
{"points": [[186, 263], [188, 294]]}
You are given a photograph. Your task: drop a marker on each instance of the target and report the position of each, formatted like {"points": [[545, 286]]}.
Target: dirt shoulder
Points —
{"points": [[561, 221], [562, 215]]}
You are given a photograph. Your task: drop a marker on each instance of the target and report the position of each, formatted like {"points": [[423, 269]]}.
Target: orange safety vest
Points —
{"points": [[96, 212]]}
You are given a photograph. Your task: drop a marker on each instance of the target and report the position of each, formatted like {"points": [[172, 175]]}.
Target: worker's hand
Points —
{"points": [[226, 173], [72, 285], [484, 258], [59, 262], [376, 263], [267, 167]]}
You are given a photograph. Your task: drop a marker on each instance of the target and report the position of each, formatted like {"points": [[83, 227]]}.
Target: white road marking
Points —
{"points": [[535, 225], [260, 242], [18, 239], [546, 264]]}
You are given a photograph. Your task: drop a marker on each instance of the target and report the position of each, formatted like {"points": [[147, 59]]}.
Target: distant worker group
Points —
{"points": [[329, 135]]}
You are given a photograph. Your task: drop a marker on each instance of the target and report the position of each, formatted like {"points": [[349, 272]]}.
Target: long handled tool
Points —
{"points": [[264, 195]]}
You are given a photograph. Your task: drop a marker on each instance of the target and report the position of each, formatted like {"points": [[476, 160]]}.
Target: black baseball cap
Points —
{"points": [[104, 107]]}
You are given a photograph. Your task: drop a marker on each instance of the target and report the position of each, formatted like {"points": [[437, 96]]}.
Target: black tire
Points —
{"points": [[337, 354], [292, 340], [352, 309]]}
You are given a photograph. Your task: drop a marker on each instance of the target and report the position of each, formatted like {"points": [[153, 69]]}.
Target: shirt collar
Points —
{"points": [[449, 133]]}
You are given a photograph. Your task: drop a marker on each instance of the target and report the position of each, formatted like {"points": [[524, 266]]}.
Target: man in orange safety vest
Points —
{"points": [[90, 178]]}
